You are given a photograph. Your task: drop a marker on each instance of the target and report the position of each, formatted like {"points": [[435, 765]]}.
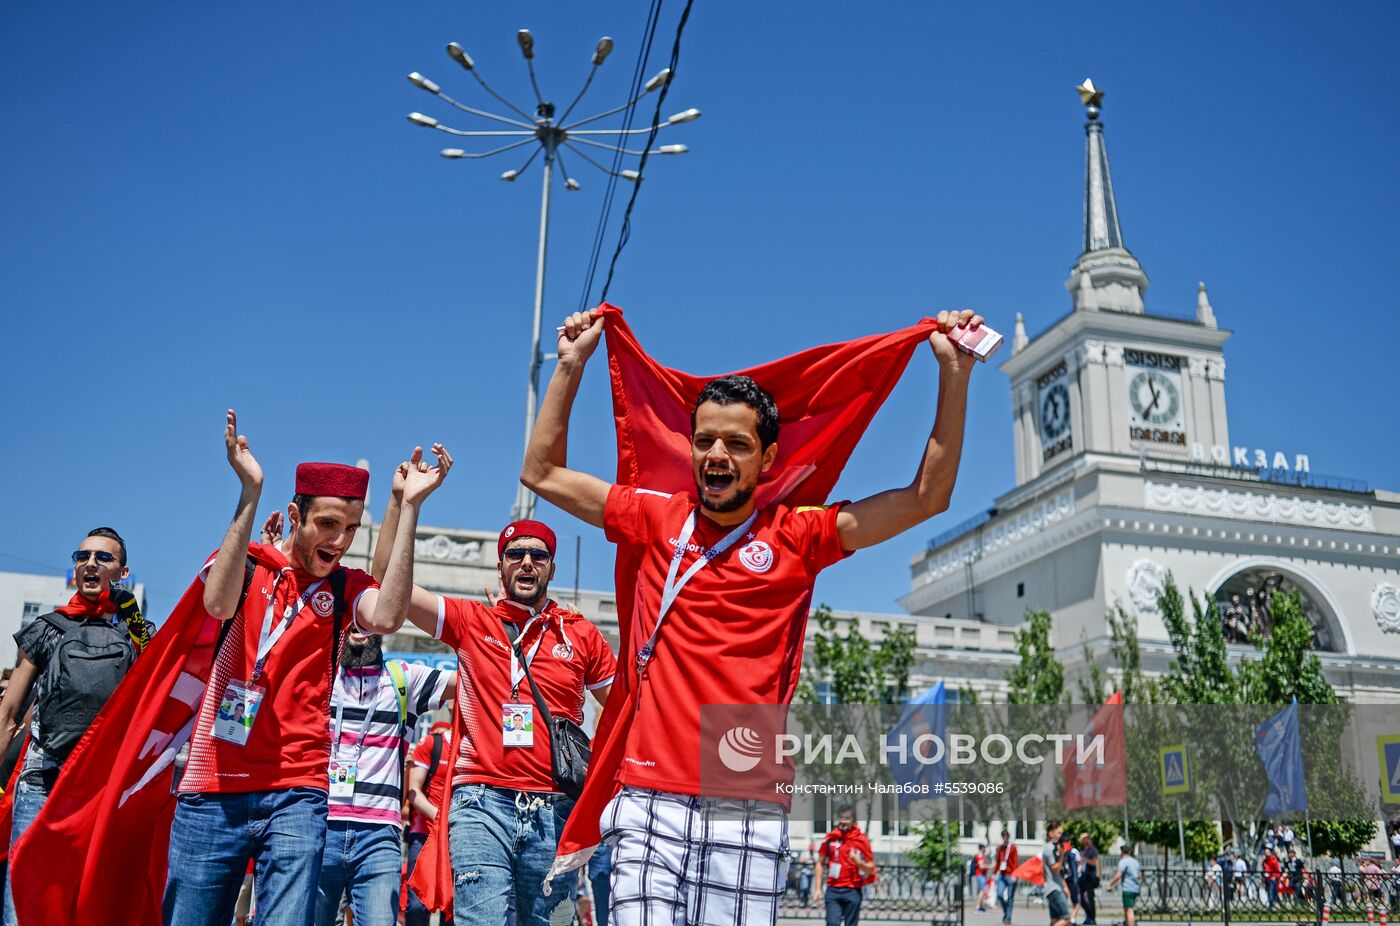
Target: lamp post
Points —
{"points": [[550, 134]]}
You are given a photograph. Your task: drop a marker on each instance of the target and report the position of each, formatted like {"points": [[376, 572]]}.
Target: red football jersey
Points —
{"points": [[734, 634], [289, 742], [572, 657], [423, 758]]}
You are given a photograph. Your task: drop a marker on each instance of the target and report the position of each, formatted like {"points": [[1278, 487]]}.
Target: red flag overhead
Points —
{"points": [[826, 397], [1032, 870], [97, 851], [1101, 779]]}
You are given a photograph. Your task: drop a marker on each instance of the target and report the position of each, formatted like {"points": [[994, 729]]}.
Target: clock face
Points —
{"points": [[1155, 412], [1054, 412], [1155, 398], [1056, 423]]}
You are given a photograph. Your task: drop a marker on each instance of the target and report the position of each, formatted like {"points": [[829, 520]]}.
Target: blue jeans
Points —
{"points": [[1006, 895], [416, 914], [502, 845], [364, 859], [213, 837], [600, 878], [29, 799], [842, 906]]}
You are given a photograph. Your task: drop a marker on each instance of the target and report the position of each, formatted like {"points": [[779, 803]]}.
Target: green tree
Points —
{"points": [[860, 672], [936, 852], [1287, 669]]}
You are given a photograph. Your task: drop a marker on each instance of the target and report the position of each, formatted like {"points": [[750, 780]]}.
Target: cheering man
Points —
{"points": [[721, 601], [257, 787], [505, 811]]}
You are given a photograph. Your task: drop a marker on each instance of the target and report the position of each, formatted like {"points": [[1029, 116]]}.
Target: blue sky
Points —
{"points": [[213, 205]]}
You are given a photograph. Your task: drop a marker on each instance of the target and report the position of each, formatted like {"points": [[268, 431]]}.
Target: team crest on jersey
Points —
{"points": [[563, 651], [322, 602], [756, 556]]}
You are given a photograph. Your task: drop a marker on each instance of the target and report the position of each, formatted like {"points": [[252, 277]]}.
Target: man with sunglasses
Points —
{"points": [[505, 814], [101, 631]]}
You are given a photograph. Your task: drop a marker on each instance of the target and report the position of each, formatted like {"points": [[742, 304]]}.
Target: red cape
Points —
{"points": [[98, 850], [826, 397]]}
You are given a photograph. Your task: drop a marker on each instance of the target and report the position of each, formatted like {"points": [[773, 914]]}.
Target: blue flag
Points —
{"points": [[1281, 748], [911, 748]]}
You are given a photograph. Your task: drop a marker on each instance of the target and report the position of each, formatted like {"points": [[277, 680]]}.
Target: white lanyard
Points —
{"points": [[516, 672], [673, 586], [266, 640], [340, 713]]}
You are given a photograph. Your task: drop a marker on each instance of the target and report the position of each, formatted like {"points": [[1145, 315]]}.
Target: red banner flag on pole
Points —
{"points": [[1095, 769]]}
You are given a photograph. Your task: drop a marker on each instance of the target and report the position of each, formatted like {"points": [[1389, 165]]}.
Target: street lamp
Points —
{"points": [[551, 134]]}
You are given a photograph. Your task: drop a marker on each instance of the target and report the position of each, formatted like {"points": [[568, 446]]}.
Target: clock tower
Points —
{"points": [[1108, 378]]}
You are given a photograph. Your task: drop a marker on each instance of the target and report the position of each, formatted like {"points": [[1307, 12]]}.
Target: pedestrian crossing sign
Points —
{"points": [[1389, 748], [1175, 770]]}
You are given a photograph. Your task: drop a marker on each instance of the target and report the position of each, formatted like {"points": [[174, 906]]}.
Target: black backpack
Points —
{"points": [[86, 665]]}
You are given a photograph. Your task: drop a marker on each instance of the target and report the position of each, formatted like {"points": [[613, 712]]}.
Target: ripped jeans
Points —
{"points": [[502, 844]]}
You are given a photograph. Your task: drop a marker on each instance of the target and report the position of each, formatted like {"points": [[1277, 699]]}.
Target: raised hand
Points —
{"points": [[272, 528], [421, 480], [250, 474], [400, 474], [579, 337], [949, 356]]}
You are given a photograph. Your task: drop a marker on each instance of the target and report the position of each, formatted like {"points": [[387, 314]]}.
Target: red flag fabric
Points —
{"points": [[1093, 783], [432, 876], [826, 397], [97, 851], [1032, 870], [7, 800]]}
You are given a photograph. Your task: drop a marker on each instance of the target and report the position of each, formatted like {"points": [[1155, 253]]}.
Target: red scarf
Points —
{"points": [[81, 605]]}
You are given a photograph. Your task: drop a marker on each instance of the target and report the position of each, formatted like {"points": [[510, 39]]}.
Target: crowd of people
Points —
{"points": [[291, 763]]}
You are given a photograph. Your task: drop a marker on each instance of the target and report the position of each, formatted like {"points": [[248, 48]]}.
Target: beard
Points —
{"points": [[528, 597], [740, 499], [358, 655]]}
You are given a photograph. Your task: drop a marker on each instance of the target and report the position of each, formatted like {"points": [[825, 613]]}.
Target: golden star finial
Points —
{"points": [[1090, 95]]}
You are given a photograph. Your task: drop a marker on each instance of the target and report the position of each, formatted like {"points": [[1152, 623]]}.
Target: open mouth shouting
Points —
{"points": [[326, 558], [716, 480], [90, 581]]}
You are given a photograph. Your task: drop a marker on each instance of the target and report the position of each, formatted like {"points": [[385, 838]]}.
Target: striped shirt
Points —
{"points": [[366, 703]]}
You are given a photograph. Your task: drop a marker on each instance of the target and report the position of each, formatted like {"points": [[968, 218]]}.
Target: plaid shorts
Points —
{"points": [[681, 860]]}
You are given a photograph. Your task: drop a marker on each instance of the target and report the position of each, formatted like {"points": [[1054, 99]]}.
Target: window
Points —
{"points": [[826, 693], [1020, 589], [607, 607], [821, 814], [894, 821], [32, 609]]}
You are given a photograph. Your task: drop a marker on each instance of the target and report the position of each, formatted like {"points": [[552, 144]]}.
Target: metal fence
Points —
{"points": [[1309, 896], [902, 894]]}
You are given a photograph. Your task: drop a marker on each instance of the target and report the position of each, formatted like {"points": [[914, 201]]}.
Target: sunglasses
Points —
{"points": [[518, 554], [103, 557]]}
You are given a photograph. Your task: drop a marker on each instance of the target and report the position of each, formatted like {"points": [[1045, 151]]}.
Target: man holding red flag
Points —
{"points": [[256, 780], [720, 592], [242, 671], [72, 660]]}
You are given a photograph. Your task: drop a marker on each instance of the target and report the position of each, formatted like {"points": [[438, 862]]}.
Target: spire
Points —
{"points": [[1101, 229], [1115, 280], [1205, 315], [1018, 338]]}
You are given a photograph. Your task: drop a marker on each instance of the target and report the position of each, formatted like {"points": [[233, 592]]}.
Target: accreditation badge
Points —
{"points": [[342, 775], [238, 709], [517, 724]]}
